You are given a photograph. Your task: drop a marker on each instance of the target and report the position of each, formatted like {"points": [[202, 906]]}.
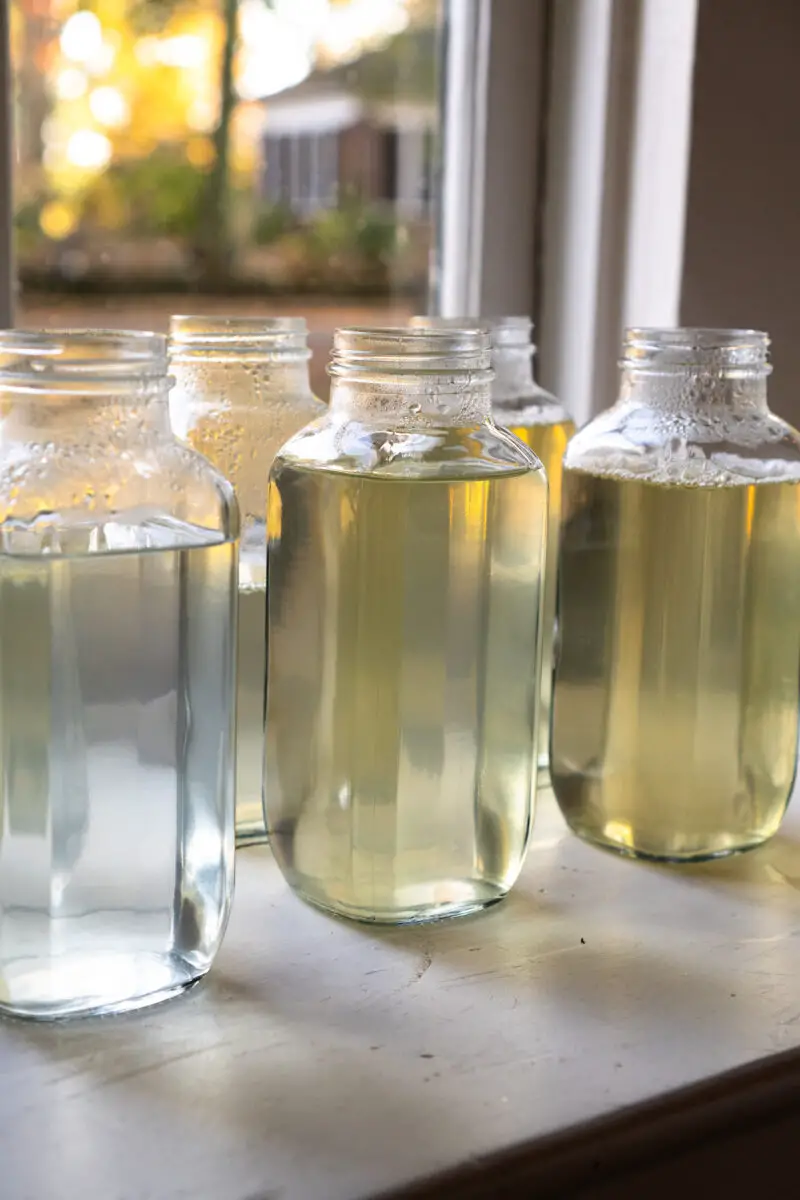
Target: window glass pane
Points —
{"points": [[270, 156]]}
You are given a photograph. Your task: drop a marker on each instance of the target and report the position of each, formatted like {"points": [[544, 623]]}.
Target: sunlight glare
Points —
{"points": [[109, 107], [82, 37], [89, 149], [71, 84], [276, 50]]}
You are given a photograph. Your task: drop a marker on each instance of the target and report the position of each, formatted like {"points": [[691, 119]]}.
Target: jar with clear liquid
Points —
{"points": [[117, 629], [241, 390], [675, 711], [537, 418], [406, 545]]}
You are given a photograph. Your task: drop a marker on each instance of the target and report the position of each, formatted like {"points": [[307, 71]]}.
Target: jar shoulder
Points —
{"points": [[704, 445], [133, 482], [219, 426], [537, 408], [336, 443]]}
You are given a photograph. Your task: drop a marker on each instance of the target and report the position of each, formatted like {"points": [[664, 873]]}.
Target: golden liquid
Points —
{"points": [[675, 707], [548, 443], [251, 668], [401, 705], [240, 434], [244, 458]]}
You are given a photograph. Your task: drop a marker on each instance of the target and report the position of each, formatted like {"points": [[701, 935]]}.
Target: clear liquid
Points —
{"points": [[675, 712], [116, 738], [548, 443], [402, 690]]}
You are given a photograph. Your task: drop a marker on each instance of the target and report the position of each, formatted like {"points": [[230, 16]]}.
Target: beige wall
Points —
{"points": [[742, 255]]}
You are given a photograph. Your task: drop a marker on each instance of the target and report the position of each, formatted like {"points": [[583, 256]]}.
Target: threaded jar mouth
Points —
{"points": [[281, 339], [423, 322], [713, 351], [505, 333], [69, 359], [410, 351], [512, 333]]}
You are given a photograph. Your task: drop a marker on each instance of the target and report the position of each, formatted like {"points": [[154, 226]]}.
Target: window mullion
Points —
{"points": [[616, 176], [6, 193]]}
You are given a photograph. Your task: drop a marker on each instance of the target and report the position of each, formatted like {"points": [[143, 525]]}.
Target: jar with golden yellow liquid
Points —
{"points": [[406, 546], [538, 419], [241, 390], [675, 705]]}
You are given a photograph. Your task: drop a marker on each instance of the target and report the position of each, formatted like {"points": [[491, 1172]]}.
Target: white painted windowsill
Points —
{"points": [[527, 1051]]}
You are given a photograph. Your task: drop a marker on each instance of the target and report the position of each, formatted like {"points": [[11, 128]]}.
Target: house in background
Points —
{"points": [[365, 130]]}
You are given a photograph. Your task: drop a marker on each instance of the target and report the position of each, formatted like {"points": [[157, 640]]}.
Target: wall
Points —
{"points": [[742, 251]]}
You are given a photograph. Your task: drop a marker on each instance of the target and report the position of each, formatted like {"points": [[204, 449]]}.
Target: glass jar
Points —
{"points": [[540, 421], [406, 542], [117, 610], [241, 390], [676, 686]]}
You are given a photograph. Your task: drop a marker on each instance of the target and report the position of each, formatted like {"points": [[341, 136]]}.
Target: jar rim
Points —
{"points": [[40, 357], [687, 347], [195, 328], [512, 332], [408, 349], [705, 334], [251, 339], [421, 321]]}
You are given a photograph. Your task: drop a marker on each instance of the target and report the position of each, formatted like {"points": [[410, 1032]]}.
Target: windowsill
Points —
{"points": [[325, 1060]]}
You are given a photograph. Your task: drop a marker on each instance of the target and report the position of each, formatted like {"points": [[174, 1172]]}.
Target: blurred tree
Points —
{"points": [[149, 196], [32, 25], [215, 234], [214, 241]]}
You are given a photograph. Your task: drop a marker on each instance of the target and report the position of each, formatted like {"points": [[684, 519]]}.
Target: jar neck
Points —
{"points": [[441, 401], [274, 341], [514, 377], [74, 383], [692, 369], [225, 380], [512, 351], [411, 377]]}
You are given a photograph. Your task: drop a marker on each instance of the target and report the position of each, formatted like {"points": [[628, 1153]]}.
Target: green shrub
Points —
{"points": [[272, 222]]}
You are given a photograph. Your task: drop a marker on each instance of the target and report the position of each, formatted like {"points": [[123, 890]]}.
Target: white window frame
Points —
{"points": [[583, 109], [495, 56], [7, 274]]}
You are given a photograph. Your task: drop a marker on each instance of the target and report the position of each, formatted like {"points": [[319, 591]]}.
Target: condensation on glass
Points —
{"points": [[406, 542], [241, 390], [521, 404], [676, 688], [117, 623]]}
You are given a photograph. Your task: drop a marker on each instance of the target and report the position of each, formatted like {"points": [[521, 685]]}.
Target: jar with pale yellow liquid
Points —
{"points": [[242, 389], [538, 419], [675, 705], [406, 546]]}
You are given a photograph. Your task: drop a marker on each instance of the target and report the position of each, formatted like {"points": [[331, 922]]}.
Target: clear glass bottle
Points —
{"points": [[241, 390], [675, 711], [537, 418], [117, 626], [406, 542]]}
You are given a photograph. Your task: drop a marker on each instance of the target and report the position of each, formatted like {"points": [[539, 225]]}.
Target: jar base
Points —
{"points": [[465, 899], [92, 985], [251, 837], [674, 858]]}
